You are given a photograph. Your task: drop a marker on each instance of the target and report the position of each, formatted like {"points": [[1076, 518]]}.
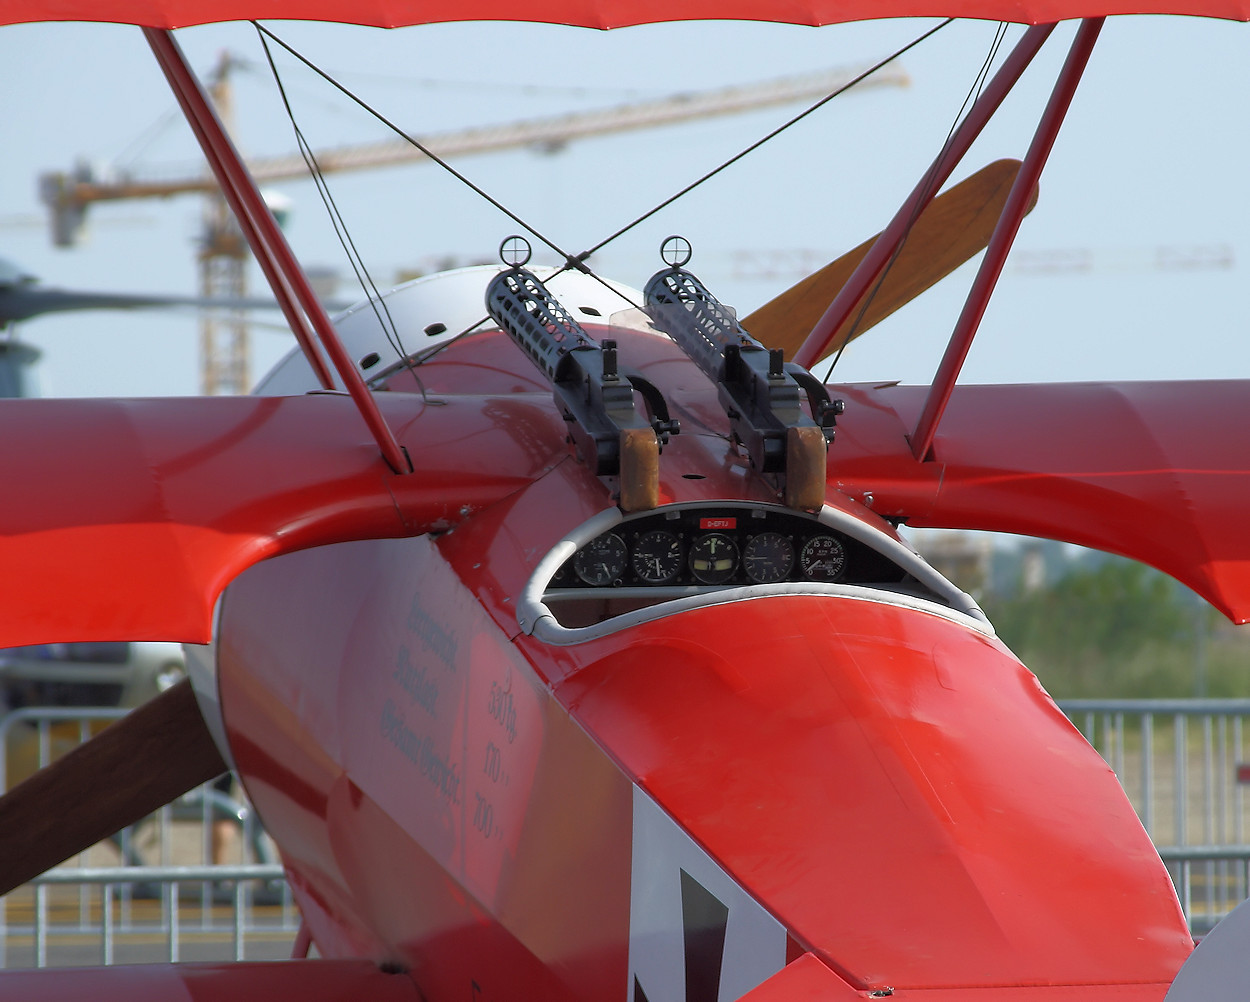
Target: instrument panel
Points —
{"points": [[722, 546]]}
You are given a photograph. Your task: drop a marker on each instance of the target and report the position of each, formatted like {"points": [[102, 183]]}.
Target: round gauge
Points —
{"points": [[657, 556], [768, 557], [822, 558], [602, 560], [713, 558]]}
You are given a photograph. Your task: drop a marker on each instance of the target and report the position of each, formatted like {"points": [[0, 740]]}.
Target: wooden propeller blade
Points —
{"points": [[956, 226], [130, 769]]}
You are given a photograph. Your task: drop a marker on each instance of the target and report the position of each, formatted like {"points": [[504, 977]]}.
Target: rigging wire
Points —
{"points": [[412, 362], [974, 92], [138, 146], [427, 152], [762, 140], [367, 285], [571, 262]]}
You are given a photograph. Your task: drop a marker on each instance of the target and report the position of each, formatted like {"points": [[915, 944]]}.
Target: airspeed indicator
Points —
{"points": [[823, 558]]}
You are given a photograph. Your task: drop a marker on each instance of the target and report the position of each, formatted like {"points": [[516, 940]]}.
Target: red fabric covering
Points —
{"points": [[593, 13]]}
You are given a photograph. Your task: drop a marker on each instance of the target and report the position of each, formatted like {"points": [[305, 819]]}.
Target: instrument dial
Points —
{"points": [[768, 557], [823, 558], [602, 560], [713, 558], [657, 556]]}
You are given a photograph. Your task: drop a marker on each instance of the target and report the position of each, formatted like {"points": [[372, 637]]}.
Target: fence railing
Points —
{"points": [[1185, 766], [198, 880], [149, 913], [1180, 761], [155, 893], [1210, 880]]}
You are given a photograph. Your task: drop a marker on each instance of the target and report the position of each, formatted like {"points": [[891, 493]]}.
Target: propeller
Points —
{"points": [[23, 303], [123, 774], [22, 298], [955, 227]]}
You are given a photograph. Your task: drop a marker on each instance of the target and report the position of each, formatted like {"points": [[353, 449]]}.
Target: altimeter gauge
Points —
{"points": [[602, 560]]}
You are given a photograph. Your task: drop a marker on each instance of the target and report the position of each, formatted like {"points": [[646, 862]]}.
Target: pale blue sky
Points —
{"points": [[1154, 154]]}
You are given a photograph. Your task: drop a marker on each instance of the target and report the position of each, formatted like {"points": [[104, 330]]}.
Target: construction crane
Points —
{"points": [[224, 343], [793, 263], [223, 254], [1161, 257]]}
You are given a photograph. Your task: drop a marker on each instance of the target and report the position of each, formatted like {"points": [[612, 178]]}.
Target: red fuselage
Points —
{"points": [[635, 800]]}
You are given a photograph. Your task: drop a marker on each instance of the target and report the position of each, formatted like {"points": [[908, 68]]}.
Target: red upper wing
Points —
{"points": [[593, 13]]}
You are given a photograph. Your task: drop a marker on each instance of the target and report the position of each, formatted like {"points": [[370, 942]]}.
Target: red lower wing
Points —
{"points": [[135, 514], [308, 981], [808, 980]]}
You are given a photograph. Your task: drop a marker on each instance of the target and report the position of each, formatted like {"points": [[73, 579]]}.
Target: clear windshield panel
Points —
{"points": [[637, 319], [702, 329], [634, 320]]}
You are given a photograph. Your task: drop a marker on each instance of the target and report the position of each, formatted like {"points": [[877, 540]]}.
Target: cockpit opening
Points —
{"points": [[616, 570]]}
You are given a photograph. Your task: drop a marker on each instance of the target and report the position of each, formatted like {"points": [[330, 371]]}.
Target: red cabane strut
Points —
{"points": [[893, 236], [307, 317], [286, 278], [1004, 235]]}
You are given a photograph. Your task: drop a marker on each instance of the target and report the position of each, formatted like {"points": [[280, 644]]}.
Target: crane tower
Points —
{"points": [[222, 257], [222, 253]]}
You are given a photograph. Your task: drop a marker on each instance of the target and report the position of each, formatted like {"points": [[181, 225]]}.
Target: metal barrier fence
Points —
{"points": [[1178, 760], [142, 914], [1185, 767], [152, 892], [31, 737]]}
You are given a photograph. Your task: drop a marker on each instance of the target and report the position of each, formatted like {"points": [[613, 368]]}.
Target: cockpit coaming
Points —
{"points": [[617, 570]]}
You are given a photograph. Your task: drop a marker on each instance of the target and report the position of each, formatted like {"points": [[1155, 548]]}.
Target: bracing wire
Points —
{"points": [[434, 157], [570, 262], [974, 92], [367, 285], [764, 139]]}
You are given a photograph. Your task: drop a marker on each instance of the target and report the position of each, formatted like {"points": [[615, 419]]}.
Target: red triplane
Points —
{"points": [[578, 657]]}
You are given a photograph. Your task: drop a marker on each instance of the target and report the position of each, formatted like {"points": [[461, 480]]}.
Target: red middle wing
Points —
{"points": [[135, 514], [1155, 471]]}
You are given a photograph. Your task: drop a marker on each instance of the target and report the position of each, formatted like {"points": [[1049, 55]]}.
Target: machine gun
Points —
{"points": [[758, 389], [594, 392]]}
